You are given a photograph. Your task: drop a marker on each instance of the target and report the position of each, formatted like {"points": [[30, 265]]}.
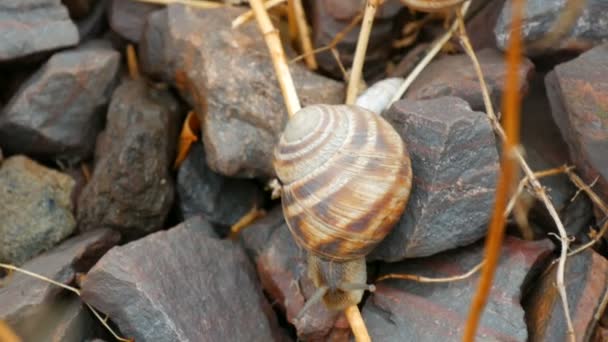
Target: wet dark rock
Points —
{"points": [[455, 76], [590, 29], [577, 92], [586, 279], [35, 208], [60, 109], [403, 310], [34, 26], [25, 301], [282, 269], [243, 116], [455, 166], [219, 199], [329, 17], [131, 188], [128, 17], [191, 286]]}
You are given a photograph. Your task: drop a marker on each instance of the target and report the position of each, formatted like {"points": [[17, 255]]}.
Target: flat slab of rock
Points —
{"points": [[590, 29], [35, 207], [128, 17], [402, 310], [229, 80], [586, 279], [25, 301], [131, 188], [453, 75], [59, 111], [577, 92], [455, 166], [221, 200], [181, 285], [282, 269], [34, 26]]}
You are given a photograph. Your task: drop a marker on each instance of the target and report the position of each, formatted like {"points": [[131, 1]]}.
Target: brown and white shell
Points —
{"points": [[346, 177]]}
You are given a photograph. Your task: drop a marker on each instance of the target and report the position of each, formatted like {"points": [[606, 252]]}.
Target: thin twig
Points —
{"points": [[193, 3], [305, 41], [511, 105], [66, 287], [6, 334], [357, 68], [353, 315], [422, 279], [433, 51], [248, 15], [132, 64], [273, 41], [245, 221]]}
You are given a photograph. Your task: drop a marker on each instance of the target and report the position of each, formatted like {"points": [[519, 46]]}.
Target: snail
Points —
{"points": [[345, 177]]}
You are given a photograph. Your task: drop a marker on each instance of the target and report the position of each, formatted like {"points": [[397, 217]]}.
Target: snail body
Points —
{"points": [[346, 178]]}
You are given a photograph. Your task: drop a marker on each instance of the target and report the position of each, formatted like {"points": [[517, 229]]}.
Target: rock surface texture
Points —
{"points": [[578, 94], [33, 307], [131, 188], [454, 165], [59, 111], [590, 28], [34, 26], [243, 115], [189, 286], [35, 209], [402, 310], [128, 17]]}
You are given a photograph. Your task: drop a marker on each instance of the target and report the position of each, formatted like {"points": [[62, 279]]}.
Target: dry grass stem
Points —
{"points": [[511, 106], [245, 221], [353, 315], [193, 3], [422, 279], [245, 17], [6, 334], [132, 64], [273, 41], [433, 51], [66, 287], [357, 68], [305, 40]]}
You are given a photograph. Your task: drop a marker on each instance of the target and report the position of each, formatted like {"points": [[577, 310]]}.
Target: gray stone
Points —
{"points": [[229, 80], [588, 30], [454, 165], [34, 26], [35, 207], [131, 188], [181, 285], [58, 112], [402, 310], [128, 17], [577, 91], [26, 302], [221, 200]]}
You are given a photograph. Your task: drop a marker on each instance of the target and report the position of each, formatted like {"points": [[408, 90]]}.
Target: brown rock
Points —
{"points": [[131, 188], [188, 286], [281, 266], [34, 26], [58, 112], [484, 17], [229, 79], [329, 17], [454, 76], [403, 310], [25, 301], [128, 17], [35, 208], [577, 92], [454, 165], [586, 279]]}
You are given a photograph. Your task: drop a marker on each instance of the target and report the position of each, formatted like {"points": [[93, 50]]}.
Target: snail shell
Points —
{"points": [[346, 177]]}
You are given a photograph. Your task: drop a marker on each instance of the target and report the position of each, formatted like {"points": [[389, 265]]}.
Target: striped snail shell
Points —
{"points": [[346, 178]]}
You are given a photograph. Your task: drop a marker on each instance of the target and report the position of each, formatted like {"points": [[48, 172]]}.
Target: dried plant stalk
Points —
{"points": [[353, 315], [6, 334], [273, 41], [422, 279], [132, 64], [304, 33], [245, 221], [245, 17], [357, 67]]}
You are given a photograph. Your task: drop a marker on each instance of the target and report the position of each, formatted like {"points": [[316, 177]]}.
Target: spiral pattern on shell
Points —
{"points": [[346, 177]]}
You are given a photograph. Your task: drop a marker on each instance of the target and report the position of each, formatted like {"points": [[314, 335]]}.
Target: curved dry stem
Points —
{"points": [[353, 315], [422, 279], [248, 15]]}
